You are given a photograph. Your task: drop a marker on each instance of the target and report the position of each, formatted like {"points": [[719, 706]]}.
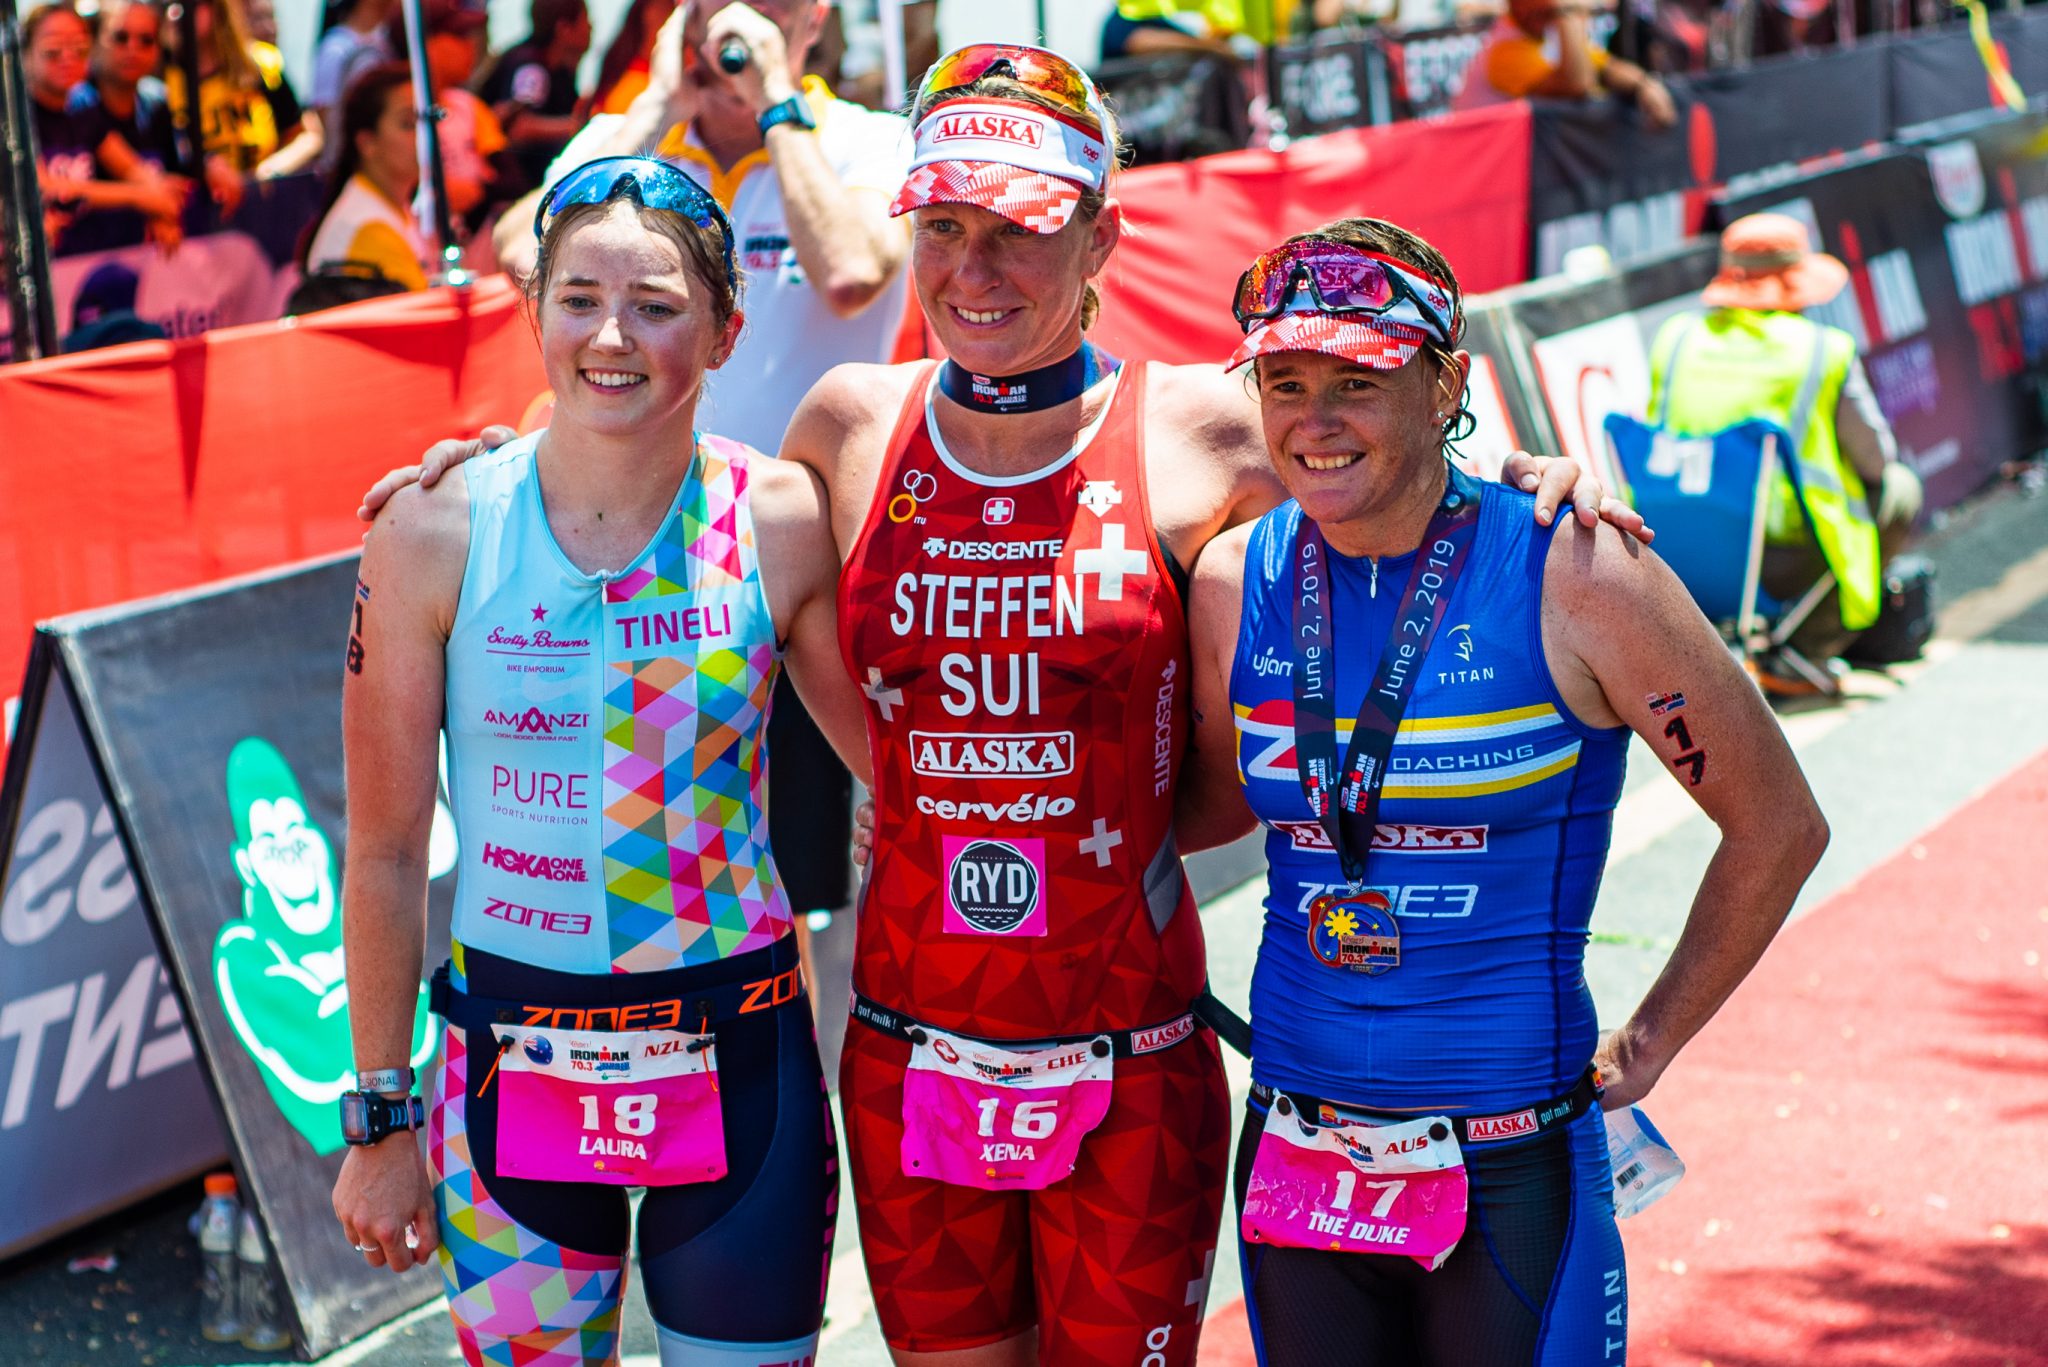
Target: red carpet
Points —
{"points": [[1865, 1126]]}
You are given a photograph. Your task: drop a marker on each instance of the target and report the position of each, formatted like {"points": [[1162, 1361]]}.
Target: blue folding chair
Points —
{"points": [[1709, 496]]}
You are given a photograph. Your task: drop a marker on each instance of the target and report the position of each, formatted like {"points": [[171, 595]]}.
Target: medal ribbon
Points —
{"points": [[1352, 818], [1034, 390]]}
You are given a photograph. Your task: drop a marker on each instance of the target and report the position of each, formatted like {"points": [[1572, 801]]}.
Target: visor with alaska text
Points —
{"points": [[1019, 160]]}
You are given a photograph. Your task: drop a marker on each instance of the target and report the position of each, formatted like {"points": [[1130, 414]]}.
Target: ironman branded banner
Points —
{"points": [[94, 1054], [215, 718]]}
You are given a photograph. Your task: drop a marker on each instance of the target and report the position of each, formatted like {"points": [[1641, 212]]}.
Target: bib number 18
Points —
{"points": [[631, 1114], [1032, 1120]]}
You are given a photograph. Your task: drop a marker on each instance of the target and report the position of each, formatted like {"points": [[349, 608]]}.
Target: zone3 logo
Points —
{"points": [[1411, 901]]}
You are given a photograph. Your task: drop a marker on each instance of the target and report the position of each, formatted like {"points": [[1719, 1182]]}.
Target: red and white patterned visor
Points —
{"points": [[1365, 341], [1026, 163]]}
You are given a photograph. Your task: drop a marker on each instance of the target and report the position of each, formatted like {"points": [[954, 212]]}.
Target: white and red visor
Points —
{"points": [[1027, 163], [1375, 342]]}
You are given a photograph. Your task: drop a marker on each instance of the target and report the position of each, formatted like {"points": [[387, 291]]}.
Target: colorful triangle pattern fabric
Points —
{"points": [[516, 1299], [688, 878]]}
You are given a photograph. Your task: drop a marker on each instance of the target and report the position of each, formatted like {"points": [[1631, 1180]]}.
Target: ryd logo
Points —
{"points": [[993, 886]]}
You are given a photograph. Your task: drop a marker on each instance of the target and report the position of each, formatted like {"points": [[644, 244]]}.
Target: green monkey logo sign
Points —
{"points": [[279, 968]]}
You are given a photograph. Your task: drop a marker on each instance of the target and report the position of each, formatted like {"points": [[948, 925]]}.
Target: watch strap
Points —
{"points": [[796, 109], [384, 1080], [367, 1118]]}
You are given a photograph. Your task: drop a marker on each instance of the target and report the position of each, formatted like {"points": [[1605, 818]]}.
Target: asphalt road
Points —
{"points": [[1887, 762]]}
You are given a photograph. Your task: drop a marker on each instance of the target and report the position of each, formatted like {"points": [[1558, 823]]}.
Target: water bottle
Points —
{"points": [[1644, 1165], [218, 1216], [262, 1323]]}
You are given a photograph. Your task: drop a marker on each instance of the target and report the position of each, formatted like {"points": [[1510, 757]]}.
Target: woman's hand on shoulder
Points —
{"points": [[1558, 479], [441, 457]]}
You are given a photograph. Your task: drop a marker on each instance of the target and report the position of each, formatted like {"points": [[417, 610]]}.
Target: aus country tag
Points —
{"points": [[1355, 931]]}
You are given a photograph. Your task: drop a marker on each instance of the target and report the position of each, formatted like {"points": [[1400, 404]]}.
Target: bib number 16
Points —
{"points": [[631, 1114], [1032, 1120]]}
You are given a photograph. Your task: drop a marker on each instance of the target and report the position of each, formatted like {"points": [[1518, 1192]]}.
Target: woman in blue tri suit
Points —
{"points": [[595, 616], [1425, 697]]}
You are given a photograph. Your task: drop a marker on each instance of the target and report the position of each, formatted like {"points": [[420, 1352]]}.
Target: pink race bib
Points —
{"points": [[978, 1115], [631, 1108], [1357, 1188]]}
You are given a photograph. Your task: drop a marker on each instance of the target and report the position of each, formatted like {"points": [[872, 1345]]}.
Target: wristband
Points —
{"points": [[384, 1080]]}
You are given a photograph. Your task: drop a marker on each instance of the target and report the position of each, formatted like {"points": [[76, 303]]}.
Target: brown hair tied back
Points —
{"points": [[703, 252], [1388, 239], [1092, 201]]}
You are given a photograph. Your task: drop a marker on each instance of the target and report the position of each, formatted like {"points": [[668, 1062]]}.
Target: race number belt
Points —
{"points": [[1122, 1043], [1471, 1129], [700, 1009], [1347, 801]]}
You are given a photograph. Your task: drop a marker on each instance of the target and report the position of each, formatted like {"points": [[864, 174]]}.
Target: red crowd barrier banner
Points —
{"points": [[159, 465], [1461, 182]]}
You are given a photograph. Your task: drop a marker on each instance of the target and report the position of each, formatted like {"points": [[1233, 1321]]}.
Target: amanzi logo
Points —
{"points": [[1025, 132], [535, 723]]}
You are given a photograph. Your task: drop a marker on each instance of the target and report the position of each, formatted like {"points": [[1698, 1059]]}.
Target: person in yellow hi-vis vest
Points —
{"points": [[1751, 355]]}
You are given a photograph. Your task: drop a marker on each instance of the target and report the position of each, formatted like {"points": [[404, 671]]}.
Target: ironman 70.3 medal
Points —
{"points": [[1355, 930]]}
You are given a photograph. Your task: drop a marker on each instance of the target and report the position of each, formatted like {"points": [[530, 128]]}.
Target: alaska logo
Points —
{"points": [[1025, 132]]}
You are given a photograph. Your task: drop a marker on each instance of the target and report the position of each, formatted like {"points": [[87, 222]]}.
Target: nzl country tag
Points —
{"points": [[1355, 931]]}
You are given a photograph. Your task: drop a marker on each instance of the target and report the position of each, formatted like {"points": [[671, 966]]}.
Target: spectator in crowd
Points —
{"points": [[85, 169], [474, 165], [623, 73], [366, 221], [1673, 37], [1543, 49], [124, 83], [249, 115], [849, 54], [532, 89], [1751, 355], [808, 179], [104, 314], [1123, 37], [262, 15], [355, 40]]}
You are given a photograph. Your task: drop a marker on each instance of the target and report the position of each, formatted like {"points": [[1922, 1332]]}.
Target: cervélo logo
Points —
{"points": [[1014, 128]]}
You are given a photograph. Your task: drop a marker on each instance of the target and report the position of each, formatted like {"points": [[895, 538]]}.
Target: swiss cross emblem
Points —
{"points": [[998, 512]]}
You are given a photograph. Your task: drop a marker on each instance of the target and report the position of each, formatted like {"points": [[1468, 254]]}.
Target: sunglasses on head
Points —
{"points": [[1341, 279], [1046, 73], [647, 181]]}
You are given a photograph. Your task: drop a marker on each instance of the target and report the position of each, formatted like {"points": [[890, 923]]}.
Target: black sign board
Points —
{"points": [[94, 1054], [214, 719], [1330, 82], [1176, 106]]}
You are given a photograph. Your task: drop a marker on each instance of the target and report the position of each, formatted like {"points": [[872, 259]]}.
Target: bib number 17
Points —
{"points": [[1390, 1192], [1032, 1120], [631, 1114]]}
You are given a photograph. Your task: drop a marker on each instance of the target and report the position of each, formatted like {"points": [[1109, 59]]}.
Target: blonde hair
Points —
{"points": [[1092, 201]]}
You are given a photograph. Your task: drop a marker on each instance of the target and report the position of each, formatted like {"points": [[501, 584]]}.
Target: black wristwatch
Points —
{"points": [[796, 109], [367, 1118]]}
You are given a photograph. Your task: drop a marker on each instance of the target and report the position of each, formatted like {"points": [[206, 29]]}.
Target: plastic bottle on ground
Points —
{"points": [[218, 1218], [256, 1292], [1645, 1167]]}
